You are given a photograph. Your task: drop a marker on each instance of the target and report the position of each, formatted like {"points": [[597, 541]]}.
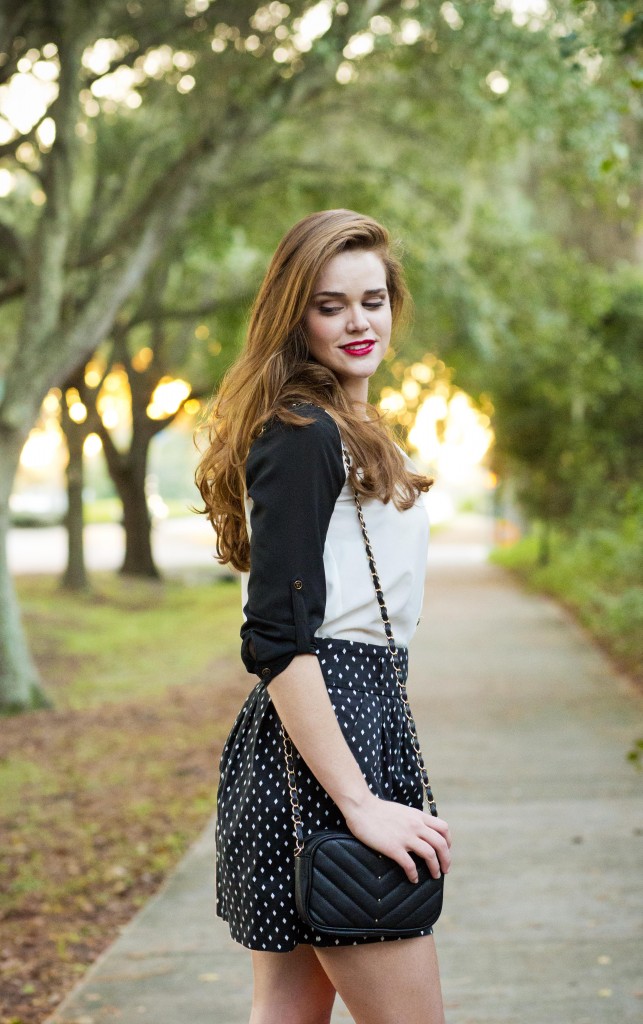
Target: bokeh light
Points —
{"points": [[168, 396], [445, 428], [43, 447]]}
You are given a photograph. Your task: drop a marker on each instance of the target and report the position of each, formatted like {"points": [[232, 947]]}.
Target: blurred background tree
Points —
{"points": [[99, 189], [153, 154]]}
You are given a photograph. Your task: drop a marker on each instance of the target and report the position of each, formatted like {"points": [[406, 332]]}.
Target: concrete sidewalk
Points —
{"points": [[525, 727]]}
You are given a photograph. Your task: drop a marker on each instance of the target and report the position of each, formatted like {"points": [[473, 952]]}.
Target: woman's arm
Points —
{"points": [[302, 702], [294, 476]]}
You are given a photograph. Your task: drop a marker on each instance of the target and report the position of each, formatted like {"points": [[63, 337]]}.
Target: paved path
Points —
{"points": [[526, 728]]}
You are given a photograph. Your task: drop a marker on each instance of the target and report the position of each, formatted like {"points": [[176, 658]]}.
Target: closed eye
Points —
{"points": [[330, 310]]}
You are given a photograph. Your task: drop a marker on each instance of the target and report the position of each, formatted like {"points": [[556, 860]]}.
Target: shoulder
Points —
{"points": [[321, 425], [298, 448]]}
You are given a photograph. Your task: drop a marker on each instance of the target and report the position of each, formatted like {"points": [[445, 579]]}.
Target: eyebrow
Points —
{"points": [[342, 295]]}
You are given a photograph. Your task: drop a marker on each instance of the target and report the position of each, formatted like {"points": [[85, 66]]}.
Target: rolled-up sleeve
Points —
{"points": [[294, 476]]}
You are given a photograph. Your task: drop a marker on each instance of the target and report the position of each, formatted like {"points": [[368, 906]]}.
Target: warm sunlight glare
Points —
{"points": [[42, 447], [114, 402], [78, 412], [92, 445], [450, 434], [168, 396]]}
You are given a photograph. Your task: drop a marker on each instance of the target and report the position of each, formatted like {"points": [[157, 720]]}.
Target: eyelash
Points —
{"points": [[329, 310]]}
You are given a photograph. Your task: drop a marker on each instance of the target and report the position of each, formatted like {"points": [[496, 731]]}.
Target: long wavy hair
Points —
{"points": [[275, 370]]}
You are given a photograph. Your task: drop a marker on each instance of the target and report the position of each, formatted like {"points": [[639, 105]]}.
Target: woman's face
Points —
{"points": [[348, 321]]}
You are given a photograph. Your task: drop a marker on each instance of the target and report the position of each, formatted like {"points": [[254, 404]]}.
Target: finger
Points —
{"points": [[440, 825], [407, 864], [430, 857], [434, 866], [444, 858], [438, 859], [444, 833], [441, 848]]}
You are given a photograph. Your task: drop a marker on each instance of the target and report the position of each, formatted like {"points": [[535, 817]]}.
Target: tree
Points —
{"points": [[213, 81], [148, 349], [153, 111], [75, 575]]}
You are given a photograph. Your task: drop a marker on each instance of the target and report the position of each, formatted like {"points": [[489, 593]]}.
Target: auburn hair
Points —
{"points": [[275, 370]]}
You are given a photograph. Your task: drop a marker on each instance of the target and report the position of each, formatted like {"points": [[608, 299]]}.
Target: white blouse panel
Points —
{"points": [[399, 540]]}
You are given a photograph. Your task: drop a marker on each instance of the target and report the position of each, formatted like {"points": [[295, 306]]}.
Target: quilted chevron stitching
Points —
{"points": [[361, 907]]}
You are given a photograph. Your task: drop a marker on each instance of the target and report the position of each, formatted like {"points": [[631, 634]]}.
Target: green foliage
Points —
{"points": [[501, 146], [558, 351], [597, 572], [635, 755]]}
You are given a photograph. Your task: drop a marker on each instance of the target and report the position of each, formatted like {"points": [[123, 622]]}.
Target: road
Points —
{"points": [[179, 545]]}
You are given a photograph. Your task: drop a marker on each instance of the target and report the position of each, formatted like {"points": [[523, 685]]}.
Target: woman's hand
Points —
{"points": [[301, 698], [397, 831]]}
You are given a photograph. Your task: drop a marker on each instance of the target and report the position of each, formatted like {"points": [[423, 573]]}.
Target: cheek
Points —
{"points": [[319, 332], [386, 323]]}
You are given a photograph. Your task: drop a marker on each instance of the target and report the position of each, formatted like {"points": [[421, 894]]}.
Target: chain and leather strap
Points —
{"points": [[298, 828]]}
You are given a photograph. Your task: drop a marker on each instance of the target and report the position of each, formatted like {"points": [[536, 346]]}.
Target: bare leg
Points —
{"points": [[290, 988], [387, 982]]}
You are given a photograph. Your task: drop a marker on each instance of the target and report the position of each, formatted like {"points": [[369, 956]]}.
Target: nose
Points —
{"points": [[358, 321]]}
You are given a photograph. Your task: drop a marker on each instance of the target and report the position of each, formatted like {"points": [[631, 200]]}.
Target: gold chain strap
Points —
{"points": [[388, 629], [297, 824], [298, 828]]}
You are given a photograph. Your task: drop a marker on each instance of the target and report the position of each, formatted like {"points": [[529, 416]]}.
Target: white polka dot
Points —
{"points": [[253, 876]]}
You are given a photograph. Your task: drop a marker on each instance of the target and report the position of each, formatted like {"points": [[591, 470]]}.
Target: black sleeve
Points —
{"points": [[294, 476]]}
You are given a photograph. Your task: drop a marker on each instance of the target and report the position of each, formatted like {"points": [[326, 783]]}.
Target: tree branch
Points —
{"points": [[11, 242], [195, 313], [160, 34], [131, 224], [45, 274], [12, 290], [14, 16], [173, 205]]}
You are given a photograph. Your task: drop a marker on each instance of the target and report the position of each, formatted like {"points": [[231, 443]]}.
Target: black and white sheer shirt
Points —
{"points": [[309, 574]]}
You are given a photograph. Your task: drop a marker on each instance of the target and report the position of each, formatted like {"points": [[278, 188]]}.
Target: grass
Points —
{"points": [[598, 575], [127, 639], [101, 796]]}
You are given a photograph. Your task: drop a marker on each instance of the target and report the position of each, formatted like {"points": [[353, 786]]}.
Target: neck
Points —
{"points": [[356, 390]]}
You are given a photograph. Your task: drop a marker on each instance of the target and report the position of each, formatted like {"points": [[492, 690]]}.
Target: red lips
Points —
{"points": [[359, 348]]}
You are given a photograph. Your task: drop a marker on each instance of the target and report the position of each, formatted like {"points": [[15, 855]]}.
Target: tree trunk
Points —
{"points": [[75, 576], [20, 688], [130, 482]]}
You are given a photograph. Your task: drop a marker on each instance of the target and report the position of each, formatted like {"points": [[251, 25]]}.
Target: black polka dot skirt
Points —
{"points": [[255, 843]]}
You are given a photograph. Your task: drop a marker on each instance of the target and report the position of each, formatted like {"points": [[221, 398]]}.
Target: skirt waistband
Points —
{"points": [[375, 672]]}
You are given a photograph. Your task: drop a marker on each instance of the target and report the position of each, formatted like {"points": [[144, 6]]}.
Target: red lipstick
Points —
{"points": [[359, 348]]}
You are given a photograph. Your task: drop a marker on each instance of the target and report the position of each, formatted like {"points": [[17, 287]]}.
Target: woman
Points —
{"points": [[278, 493]]}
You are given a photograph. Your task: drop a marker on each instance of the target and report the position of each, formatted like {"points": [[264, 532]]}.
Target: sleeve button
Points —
{"points": [[298, 585]]}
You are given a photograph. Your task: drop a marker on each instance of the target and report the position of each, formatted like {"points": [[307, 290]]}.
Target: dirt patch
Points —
{"points": [[107, 801]]}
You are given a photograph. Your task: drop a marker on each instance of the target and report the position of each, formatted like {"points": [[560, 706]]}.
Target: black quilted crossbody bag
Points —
{"points": [[343, 888]]}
